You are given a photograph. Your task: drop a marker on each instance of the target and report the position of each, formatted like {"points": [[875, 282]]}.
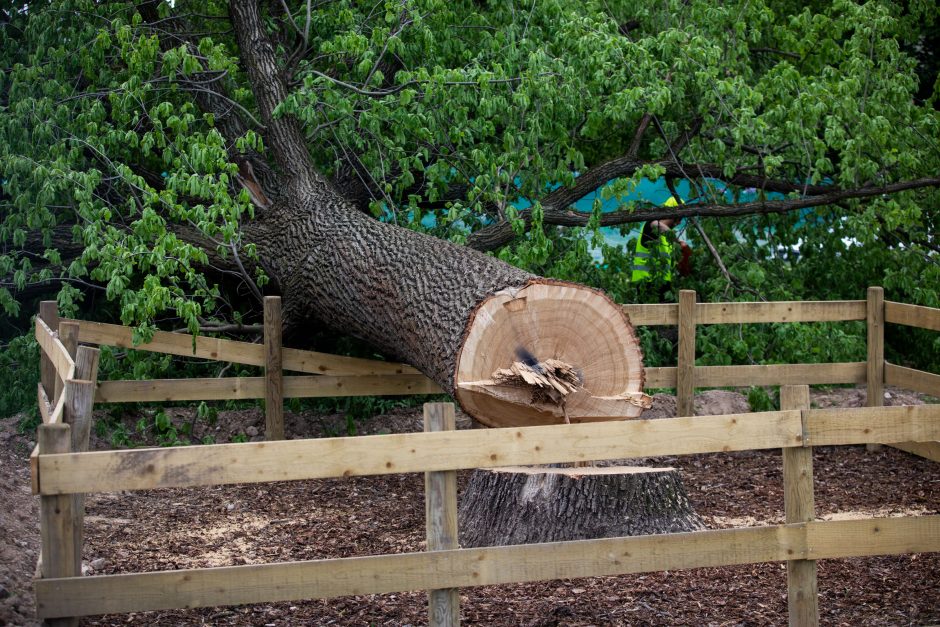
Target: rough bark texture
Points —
{"points": [[408, 294], [517, 505]]}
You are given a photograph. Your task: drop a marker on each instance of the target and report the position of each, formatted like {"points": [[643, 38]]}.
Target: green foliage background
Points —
{"points": [[117, 191]]}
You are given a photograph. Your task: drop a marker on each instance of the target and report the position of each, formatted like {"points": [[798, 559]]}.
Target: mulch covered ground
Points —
{"points": [[170, 529]]}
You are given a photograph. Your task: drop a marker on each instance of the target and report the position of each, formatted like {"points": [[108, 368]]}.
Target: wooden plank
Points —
{"points": [[68, 336], [236, 352], [910, 379], [872, 536], [56, 416], [912, 315], [441, 517], [56, 525], [62, 362], [323, 363], [661, 377], [799, 507], [875, 376], [685, 371], [239, 388], [266, 583], [652, 315], [929, 450], [861, 425], [49, 315], [34, 470], [79, 398], [780, 311], [413, 571], [273, 370], [783, 374], [218, 464], [45, 409]]}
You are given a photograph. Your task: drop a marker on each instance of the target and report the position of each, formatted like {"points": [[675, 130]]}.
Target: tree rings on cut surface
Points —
{"points": [[520, 341]]}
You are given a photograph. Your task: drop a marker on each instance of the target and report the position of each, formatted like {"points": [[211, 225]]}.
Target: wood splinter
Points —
{"points": [[547, 386]]}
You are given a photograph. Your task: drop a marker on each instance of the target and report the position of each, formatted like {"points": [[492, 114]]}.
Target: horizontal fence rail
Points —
{"points": [[206, 587], [236, 352], [219, 464], [239, 388], [751, 313], [912, 315]]}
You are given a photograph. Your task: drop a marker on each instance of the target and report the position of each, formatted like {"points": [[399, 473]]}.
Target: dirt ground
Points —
{"points": [[249, 524]]}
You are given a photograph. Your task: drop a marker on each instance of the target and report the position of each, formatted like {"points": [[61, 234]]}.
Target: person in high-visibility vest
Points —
{"points": [[654, 250]]}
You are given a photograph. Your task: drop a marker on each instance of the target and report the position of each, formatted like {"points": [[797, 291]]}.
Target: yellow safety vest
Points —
{"points": [[641, 260]]}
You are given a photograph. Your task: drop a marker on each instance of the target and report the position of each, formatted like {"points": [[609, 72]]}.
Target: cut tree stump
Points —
{"points": [[522, 505]]}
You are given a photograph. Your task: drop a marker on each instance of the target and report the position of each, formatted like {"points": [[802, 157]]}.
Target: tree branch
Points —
{"points": [[501, 233], [284, 135]]}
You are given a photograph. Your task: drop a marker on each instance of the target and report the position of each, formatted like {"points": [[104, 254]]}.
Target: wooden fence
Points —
{"points": [[62, 472]]}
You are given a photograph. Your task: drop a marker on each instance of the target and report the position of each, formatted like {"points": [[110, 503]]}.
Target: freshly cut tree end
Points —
{"points": [[549, 353]]}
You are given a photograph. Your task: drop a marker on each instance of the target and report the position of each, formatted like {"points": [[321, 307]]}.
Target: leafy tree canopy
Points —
{"points": [[133, 160]]}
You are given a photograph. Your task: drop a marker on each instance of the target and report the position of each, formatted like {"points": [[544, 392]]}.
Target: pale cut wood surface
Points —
{"points": [[784, 374], [68, 336], [45, 409], [875, 371], [253, 387], [882, 425], [873, 536], [652, 315], [56, 528], [273, 370], [912, 315], [49, 314], [908, 378], [86, 368], [780, 311], [799, 507], [59, 356], [572, 324], [413, 571], [217, 464], [474, 567], [661, 377], [441, 517], [685, 371], [78, 397], [236, 352], [750, 313]]}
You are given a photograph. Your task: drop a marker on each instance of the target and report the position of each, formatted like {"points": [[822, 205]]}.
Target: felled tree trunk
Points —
{"points": [[513, 348], [521, 505], [456, 314]]}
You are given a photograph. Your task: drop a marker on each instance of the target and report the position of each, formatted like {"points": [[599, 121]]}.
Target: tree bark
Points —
{"points": [[421, 299], [521, 505]]}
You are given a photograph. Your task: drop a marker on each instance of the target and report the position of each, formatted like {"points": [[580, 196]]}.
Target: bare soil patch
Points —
{"points": [[249, 524]]}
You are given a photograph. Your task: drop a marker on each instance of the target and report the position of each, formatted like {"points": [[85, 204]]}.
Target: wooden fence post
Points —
{"points": [[68, 335], [48, 313], [78, 412], [441, 517], [273, 370], [56, 527], [799, 505], [875, 372], [685, 371]]}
